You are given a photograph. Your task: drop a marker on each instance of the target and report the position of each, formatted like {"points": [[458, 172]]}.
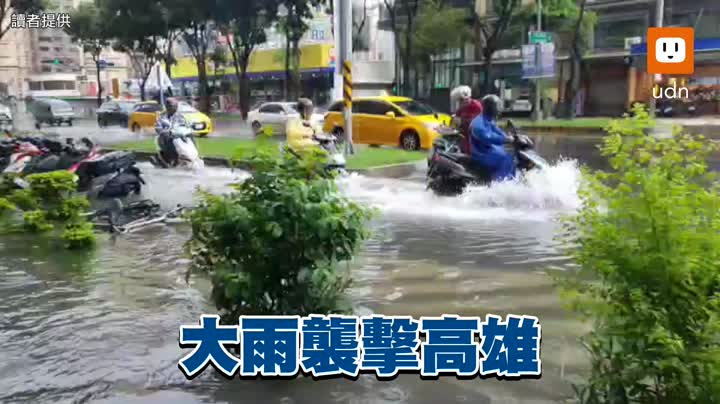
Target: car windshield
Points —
{"points": [[183, 107], [414, 107], [126, 106]]}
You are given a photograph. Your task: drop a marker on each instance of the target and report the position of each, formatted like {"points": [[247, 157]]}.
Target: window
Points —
{"points": [[415, 108], [44, 39], [149, 108], [611, 31], [186, 108], [374, 108], [54, 85], [271, 109], [35, 85], [336, 107], [44, 48], [46, 69], [109, 106]]}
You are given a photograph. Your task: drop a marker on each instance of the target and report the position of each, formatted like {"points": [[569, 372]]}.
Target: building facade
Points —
{"points": [[615, 75], [372, 61], [45, 62]]}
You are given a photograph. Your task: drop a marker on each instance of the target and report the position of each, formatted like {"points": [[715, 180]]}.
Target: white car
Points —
{"points": [[520, 105], [274, 115]]}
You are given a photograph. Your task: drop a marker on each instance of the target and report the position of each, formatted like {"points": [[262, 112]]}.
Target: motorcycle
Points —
{"points": [[110, 175], [450, 171], [176, 148], [335, 157]]}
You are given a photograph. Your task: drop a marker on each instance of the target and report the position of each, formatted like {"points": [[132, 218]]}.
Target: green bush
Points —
{"points": [[273, 245], [79, 236], [647, 242], [47, 204]]}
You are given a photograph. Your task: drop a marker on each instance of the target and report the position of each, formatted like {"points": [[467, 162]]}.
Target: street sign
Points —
{"points": [[540, 37], [104, 64], [538, 60]]}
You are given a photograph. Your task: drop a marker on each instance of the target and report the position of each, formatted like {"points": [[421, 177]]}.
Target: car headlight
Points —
{"points": [[431, 125]]}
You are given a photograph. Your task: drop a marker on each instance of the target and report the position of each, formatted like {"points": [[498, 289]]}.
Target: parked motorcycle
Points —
{"points": [[110, 175], [450, 171]]}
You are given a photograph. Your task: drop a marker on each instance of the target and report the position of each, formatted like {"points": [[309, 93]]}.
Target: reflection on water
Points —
{"points": [[103, 327]]}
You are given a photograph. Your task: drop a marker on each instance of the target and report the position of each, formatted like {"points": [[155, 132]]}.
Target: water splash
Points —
{"points": [[538, 196], [170, 187]]}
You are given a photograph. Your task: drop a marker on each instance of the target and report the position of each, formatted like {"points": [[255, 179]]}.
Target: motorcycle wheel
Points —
{"points": [[447, 187]]}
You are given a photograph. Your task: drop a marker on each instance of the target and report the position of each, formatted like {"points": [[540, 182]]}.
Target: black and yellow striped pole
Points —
{"points": [[347, 101]]}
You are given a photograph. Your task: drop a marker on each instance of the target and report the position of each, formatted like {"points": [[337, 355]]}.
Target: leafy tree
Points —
{"points": [[573, 26], [647, 243], [359, 17], [133, 26], [294, 24], [218, 57], [8, 7], [490, 30], [402, 14], [243, 25], [89, 31], [439, 29], [292, 206], [198, 32]]}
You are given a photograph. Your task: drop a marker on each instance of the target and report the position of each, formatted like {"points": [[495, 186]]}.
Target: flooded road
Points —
{"points": [[103, 326]]}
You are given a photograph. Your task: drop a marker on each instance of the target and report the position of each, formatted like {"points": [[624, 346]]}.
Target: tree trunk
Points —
{"points": [[487, 71], [168, 66], [296, 83], [573, 83], [244, 93], [203, 84], [96, 59], [286, 84], [234, 49]]}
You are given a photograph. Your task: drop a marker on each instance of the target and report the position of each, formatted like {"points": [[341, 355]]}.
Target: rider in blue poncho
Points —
{"points": [[488, 152]]}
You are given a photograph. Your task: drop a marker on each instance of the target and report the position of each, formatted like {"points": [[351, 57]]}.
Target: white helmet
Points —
{"points": [[460, 92]]}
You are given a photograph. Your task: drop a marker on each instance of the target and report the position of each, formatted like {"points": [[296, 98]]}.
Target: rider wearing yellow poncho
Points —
{"points": [[300, 131]]}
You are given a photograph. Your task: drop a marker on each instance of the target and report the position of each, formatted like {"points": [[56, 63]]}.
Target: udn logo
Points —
{"points": [[671, 51]]}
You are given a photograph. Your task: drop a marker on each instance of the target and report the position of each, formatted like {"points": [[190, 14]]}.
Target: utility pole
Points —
{"points": [[538, 47], [344, 30], [659, 13], [337, 74]]}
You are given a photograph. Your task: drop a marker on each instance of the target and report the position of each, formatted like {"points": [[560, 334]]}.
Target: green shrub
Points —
{"points": [[79, 236], [647, 242], [35, 221], [48, 203], [273, 245]]}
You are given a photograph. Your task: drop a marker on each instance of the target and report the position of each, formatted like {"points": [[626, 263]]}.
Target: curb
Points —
{"points": [[389, 171], [550, 130]]}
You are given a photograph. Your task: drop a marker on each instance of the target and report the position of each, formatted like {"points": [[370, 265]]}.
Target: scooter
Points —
{"points": [[335, 158], [176, 148], [450, 171], [110, 175]]}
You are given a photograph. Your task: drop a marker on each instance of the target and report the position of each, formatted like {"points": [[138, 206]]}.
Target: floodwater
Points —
{"points": [[102, 327]]}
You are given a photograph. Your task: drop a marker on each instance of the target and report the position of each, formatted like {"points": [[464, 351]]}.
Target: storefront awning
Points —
{"points": [[701, 45], [262, 76]]}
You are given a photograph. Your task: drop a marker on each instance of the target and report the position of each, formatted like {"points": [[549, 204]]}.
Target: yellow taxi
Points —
{"points": [[145, 114], [389, 121]]}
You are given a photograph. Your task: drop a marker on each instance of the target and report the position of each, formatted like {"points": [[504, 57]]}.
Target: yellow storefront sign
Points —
{"points": [[315, 56]]}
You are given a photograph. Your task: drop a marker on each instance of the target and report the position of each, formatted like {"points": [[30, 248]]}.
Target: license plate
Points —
{"points": [[199, 126]]}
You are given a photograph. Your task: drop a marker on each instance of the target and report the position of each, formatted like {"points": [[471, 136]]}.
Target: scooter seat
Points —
{"points": [[460, 158]]}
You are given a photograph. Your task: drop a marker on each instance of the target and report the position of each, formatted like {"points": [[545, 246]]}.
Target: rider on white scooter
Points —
{"points": [[175, 143]]}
